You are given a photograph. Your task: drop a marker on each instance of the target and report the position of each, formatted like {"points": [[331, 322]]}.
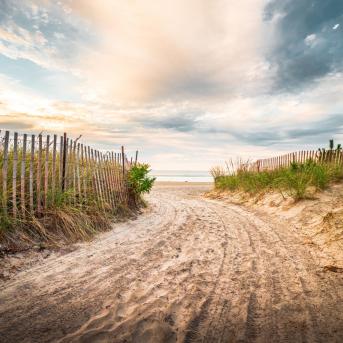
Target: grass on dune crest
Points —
{"points": [[298, 181]]}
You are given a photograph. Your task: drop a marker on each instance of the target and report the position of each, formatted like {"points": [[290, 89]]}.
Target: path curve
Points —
{"points": [[188, 270]]}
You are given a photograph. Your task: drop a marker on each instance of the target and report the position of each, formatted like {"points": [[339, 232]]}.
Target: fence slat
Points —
{"points": [[64, 162], [46, 172], [124, 188], [113, 178], [105, 176], [73, 171], [91, 169], [88, 172], [53, 168], [109, 180], [91, 183], [96, 176], [39, 174], [14, 183], [99, 177], [4, 172], [123, 160], [78, 181], [136, 157], [22, 176], [32, 160], [68, 163], [83, 171], [102, 178], [116, 177]]}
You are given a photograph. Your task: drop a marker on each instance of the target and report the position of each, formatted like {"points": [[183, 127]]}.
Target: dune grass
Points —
{"points": [[69, 215], [64, 221], [298, 181]]}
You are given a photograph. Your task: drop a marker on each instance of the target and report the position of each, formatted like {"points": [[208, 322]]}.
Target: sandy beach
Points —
{"points": [[189, 269]]}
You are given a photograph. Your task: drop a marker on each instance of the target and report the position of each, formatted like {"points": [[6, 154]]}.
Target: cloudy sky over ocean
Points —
{"points": [[189, 83]]}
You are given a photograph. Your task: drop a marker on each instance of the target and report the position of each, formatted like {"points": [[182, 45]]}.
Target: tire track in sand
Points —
{"points": [[188, 270]]}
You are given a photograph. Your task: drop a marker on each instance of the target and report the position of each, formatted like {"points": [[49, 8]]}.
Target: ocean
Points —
{"points": [[182, 175]]}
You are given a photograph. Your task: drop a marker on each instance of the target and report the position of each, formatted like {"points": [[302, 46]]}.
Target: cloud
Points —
{"points": [[330, 124], [311, 132], [34, 31], [305, 48], [11, 37], [175, 79], [181, 121], [178, 50], [310, 39], [15, 122]]}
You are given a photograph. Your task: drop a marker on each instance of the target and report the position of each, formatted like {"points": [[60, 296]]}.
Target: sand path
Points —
{"points": [[188, 270]]}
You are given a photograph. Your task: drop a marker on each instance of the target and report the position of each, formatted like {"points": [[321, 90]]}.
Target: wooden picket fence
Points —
{"points": [[284, 161], [38, 171]]}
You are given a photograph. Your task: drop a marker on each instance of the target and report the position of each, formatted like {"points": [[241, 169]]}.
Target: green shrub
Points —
{"points": [[139, 180]]}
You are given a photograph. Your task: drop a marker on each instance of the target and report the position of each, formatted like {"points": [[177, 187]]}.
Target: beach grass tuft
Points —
{"points": [[298, 180]]}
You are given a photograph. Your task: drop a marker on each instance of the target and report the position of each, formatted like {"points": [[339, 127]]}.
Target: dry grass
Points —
{"points": [[66, 218], [59, 226]]}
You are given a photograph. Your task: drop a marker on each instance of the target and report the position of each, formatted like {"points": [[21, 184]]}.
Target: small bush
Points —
{"points": [[139, 180]]}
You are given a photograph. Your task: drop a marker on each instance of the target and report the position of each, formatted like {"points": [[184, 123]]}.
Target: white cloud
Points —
{"points": [[185, 82], [59, 35], [160, 50], [310, 39], [17, 42]]}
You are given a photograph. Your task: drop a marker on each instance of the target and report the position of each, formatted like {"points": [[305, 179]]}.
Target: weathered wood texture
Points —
{"points": [[38, 171]]}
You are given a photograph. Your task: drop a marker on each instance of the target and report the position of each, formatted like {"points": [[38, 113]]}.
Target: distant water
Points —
{"points": [[182, 175]]}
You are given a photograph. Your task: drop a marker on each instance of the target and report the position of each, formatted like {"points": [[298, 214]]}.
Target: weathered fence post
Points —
{"points": [[46, 172], [125, 188], [22, 182], [39, 174], [15, 163], [53, 170], [32, 160], [4, 172], [123, 160], [136, 157], [64, 161]]}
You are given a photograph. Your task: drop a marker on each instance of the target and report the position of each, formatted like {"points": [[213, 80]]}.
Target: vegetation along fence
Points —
{"points": [[284, 161], [39, 172]]}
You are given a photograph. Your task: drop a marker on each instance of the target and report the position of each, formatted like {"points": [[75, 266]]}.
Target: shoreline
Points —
{"points": [[182, 183]]}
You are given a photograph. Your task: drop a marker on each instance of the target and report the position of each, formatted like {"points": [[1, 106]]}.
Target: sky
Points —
{"points": [[189, 83]]}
